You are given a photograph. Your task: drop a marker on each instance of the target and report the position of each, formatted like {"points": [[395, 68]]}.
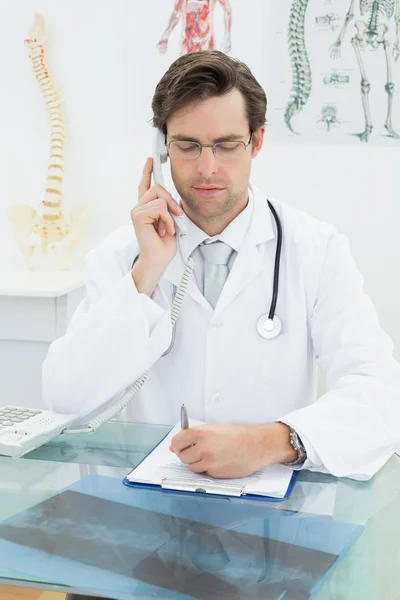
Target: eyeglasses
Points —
{"points": [[229, 150]]}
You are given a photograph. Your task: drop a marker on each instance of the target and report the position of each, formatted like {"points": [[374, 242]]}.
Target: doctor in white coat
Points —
{"points": [[257, 395]]}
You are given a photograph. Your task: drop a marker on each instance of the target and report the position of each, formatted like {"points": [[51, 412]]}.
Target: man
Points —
{"points": [[257, 395]]}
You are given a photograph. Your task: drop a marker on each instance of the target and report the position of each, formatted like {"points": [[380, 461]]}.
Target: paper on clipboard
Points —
{"points": [[162, 467]]}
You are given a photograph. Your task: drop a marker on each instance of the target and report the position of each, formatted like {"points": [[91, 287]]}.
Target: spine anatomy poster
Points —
{"points": [[333, 70]]}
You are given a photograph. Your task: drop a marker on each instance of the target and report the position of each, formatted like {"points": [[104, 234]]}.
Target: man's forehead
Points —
{"points": [[211, 119]]}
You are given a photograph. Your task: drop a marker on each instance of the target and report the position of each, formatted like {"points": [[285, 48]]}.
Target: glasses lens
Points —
{"points": [[229, 150], [178, 149]]}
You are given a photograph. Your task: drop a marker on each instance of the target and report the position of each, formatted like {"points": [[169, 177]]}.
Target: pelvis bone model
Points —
{"points": [[48, 232]]}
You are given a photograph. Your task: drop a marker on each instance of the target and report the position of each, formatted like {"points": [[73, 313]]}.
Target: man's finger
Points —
{"points": [[145, 182], [158, 192], [198, 467], [152, 215], [182, 440], [189, 455]]}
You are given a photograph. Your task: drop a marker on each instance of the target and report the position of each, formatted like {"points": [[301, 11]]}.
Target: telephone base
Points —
{"points": [[24, 429]]}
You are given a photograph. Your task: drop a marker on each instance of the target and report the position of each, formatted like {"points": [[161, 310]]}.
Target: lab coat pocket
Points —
{"points": [[261, 379], [285, 370]]}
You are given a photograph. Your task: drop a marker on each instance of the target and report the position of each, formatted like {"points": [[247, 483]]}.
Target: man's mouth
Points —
{"points": [[208, 190]]}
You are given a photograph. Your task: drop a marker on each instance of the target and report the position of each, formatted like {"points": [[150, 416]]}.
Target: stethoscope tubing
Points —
{"points": [[278, 251]]}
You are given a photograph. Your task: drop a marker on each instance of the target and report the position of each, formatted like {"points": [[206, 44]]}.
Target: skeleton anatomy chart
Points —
{"points": [[334, 70], [197, 25]]}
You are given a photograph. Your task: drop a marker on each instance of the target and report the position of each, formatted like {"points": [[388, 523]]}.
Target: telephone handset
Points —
{"points": [[160, 157]]}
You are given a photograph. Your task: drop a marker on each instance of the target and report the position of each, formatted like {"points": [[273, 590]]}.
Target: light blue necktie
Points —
{"points": [[216, 258]]}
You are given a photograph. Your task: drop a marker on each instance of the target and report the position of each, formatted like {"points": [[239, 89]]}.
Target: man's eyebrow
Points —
{"points": [[224, 138]]}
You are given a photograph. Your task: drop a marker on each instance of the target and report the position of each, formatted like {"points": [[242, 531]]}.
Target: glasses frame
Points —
{"points": [[212, 146]]}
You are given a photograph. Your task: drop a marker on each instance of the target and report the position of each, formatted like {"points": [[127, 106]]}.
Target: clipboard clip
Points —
{"points": [[205, 486]]}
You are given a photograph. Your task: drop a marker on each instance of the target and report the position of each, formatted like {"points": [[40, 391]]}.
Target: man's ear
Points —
{"points": [[257, 141]]}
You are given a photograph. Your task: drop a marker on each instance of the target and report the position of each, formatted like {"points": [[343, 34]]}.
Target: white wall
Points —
{"points": [[358, 191], [356, 188]]}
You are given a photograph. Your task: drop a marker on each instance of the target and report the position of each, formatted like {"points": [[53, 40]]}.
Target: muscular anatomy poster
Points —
{"points": [[195, 19], [333, 71]]}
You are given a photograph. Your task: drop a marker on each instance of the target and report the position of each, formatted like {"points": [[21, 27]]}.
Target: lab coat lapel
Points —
{"points": [[248, 263]]}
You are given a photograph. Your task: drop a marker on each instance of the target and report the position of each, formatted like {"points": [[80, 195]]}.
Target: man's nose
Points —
{"points": [[207, 163]]}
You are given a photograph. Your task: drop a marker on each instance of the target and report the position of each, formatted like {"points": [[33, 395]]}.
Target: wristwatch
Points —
{"points": [[298, 445]]}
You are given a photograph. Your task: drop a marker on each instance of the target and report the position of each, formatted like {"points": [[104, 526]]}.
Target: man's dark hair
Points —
{"points": [[199, 75]]}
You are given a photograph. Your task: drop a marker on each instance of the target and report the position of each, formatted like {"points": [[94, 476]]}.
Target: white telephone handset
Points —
{"points": [[160, 157]]}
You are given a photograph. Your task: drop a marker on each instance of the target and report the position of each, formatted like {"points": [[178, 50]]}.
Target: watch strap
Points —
{"points": [[298, 445]]}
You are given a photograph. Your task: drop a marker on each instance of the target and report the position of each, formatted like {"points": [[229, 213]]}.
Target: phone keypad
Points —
{"points": [[11, 415]]}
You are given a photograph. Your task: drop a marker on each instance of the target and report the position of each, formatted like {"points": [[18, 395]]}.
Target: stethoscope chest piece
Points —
{"points": [[269, 328]]}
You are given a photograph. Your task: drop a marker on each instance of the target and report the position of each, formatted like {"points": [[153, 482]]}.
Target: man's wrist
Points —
{"points": [[276, 444], [145, 279]]}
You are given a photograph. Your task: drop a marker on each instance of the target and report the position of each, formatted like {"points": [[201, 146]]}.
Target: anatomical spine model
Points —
{"points": [[48, 232]]}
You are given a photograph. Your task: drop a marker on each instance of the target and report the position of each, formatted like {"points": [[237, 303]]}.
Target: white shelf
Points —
{"points": [[35, 309], [39, 284]]}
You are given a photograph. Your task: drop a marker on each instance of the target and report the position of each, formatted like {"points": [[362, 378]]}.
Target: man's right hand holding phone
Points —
{"points": [[155, 231]]}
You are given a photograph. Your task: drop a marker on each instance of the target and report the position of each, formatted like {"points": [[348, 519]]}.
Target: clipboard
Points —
{"points": [[212, 489]]}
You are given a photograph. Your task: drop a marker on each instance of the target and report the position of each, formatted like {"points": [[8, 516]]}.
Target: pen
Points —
{"points": [[184, 417]]}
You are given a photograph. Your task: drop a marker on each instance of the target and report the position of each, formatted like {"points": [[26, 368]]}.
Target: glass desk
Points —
{"points": [[370, 570]]}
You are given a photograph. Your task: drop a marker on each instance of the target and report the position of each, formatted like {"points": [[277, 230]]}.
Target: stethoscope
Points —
{"points": [[269, 325]]}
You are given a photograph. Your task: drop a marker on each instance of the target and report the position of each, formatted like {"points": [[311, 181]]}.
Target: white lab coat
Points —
{"points": [[220, 367]]}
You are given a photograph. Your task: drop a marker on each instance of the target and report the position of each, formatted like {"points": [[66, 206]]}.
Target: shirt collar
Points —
{"points": [[233, 234]]}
